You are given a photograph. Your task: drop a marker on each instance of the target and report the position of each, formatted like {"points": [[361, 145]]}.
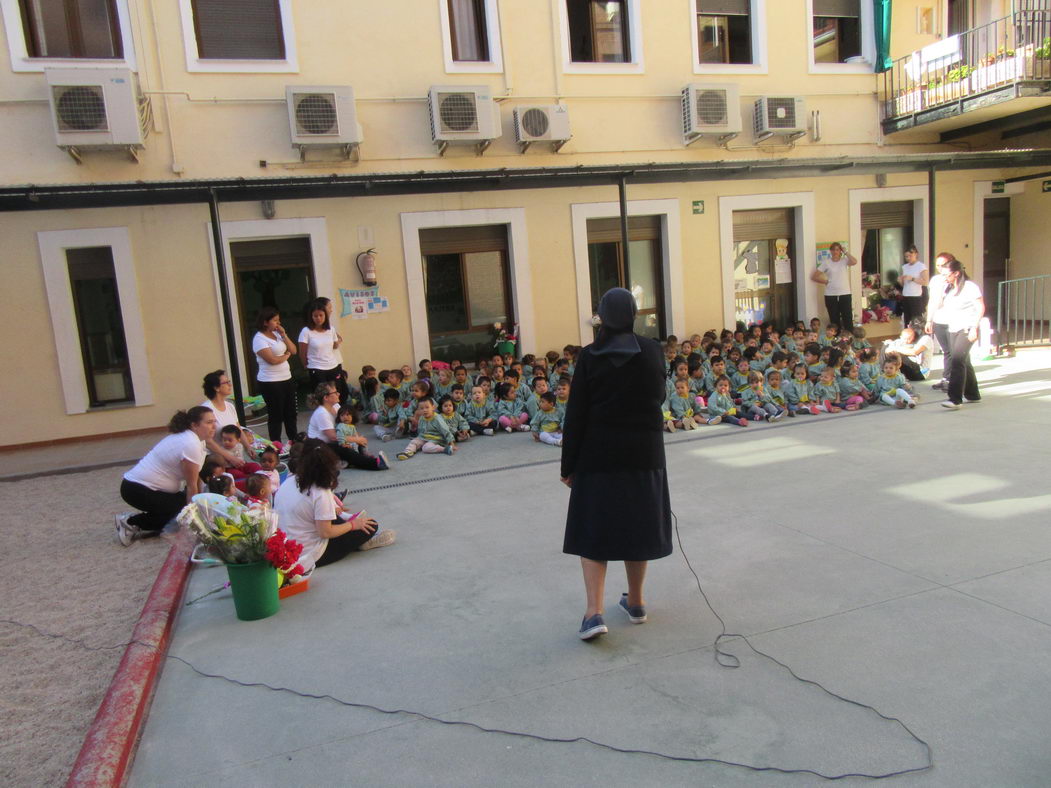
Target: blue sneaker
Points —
{"points": [[593, 627], [636, 613]]}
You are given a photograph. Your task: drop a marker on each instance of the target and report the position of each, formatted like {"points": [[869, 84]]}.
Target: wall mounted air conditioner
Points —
{"points": [[97, 109], [323, 116], [542, 123], [710, 110], [781, 115], [463, 115]]}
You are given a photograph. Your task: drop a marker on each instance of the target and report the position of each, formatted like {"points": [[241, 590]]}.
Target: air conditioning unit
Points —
{"points": [[463, 115], [782, 115], [710, 110], [543, 123], [97, 109], [323, 117]]}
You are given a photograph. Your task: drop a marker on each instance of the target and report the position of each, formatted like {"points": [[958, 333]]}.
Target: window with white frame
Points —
{"points": [[837, 30], [471, 36], [239, 35], [601, 36], [724, 31], [42, 33]]}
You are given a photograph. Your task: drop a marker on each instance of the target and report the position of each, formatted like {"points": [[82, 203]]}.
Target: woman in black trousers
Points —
{"points": [[613, 460], [273, 349]]}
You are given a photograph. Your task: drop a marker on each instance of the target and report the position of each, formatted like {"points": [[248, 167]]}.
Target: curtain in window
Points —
{"points": [[881, 24], [467, 29]]}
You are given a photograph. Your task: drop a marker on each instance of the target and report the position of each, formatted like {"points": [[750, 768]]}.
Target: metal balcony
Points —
{"points": [[981, 75]]}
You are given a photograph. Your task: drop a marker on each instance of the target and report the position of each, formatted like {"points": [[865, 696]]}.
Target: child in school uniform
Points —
{"points": [[868, 369], [852, 391], [826, 391], [480, 413], [680, 371], [444, 383], [456, 422], [680, 409], [739, 378], [812, 359], [562, 395], [457, 395], [755, 403], [721, 406], [510, 413], [539, 388], [799, 391], [858, 341], [696, 373], [775, 390], [347, 431], [718, 369], [388, 415], [433, 435], [268, 461], [890, 387], [546, 425]]}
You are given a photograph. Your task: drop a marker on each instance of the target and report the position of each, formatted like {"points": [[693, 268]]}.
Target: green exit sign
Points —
{"points": [[998, 187], [698, 206], [1046, 186]]}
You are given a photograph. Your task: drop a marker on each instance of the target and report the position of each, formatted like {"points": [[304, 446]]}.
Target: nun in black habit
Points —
{"points": [[613, 460]]}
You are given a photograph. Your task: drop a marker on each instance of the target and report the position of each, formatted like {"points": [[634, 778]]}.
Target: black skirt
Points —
{"points": [[619, 515]]}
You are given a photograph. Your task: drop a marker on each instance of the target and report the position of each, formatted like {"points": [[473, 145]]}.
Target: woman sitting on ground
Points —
{"points": [[915, 349], [310, 512], [322, 427], [154, 485], [217, 387]]}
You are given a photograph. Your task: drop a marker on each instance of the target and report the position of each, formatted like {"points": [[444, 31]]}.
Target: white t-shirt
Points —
{"points": [[222, 417], [320, 351], [160, 469], [923, 350], [961, 309], [297, 513], [838, 278], [936, 287], [320, 420], [911, 288], [270, 373]]}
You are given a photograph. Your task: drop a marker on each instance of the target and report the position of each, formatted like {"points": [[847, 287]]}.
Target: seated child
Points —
{"points": [[776, 392], [211, 467], [799, 392], [852, 391], [388, 415], [347, 431], [890, 387], [456, 422], [540, 388], [680, 371], [721, 406], [680, 409], [546, 424], [480, 413], [456, 394], [223, 485], [230, 439], [371, 401], [562, 395], [858, 341], [868, 369], [257, 491], [433, 435], [739, 378], [510, 412], [420, 391], [812, 359], [831, 335], [756, 403], [268, 468], [826, 391]]}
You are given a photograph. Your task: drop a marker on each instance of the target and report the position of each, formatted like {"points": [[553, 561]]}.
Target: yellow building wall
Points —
{"points": [[1030, 233]]}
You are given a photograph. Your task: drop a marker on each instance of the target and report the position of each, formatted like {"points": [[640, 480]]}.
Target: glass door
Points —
{"points": [[466, 294], [641, 273], [764, 290]]}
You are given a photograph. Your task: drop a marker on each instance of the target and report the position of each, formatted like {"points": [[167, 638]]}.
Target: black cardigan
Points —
{"points": [[614, 419]]}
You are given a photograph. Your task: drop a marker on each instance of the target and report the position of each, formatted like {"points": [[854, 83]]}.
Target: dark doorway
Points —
{"points": [[764, 267], [641, 271], [997, 232], [276, 272]]}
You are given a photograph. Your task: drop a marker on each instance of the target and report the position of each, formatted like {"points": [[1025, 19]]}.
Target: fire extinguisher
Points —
{"points": [[366, 262]]}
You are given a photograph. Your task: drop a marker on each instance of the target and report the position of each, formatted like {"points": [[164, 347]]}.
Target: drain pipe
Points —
{"points": [[224, 296], [622, 189], [930, 218]]}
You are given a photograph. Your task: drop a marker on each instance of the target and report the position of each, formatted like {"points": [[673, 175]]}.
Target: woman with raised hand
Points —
{"points": [[962, 306], [273, 349]]}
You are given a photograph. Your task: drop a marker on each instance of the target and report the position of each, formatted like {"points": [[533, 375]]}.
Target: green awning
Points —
{"points": [[881, 23]]}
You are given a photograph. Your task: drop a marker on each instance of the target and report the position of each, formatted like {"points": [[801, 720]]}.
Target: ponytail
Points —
{"points": [[184, 419]]}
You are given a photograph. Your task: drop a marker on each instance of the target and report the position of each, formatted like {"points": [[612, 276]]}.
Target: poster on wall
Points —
{"points": [[823, 253], [782, 262], [359, 304]]}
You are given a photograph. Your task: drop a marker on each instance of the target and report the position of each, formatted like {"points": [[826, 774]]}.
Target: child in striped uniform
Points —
{"points": [[680, 408], [852, 391], [799, 392], [721, 405], [480, 413], [388, 415], [826, 391], [510, 413], [868, 370], [776, 392], [456, 422], [890, 387], [433, 435], [755, 402], [547, 423]]}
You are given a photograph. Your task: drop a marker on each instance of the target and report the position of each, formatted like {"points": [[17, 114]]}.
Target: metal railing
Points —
{"points": [[1013, 49], [1023, 312]]}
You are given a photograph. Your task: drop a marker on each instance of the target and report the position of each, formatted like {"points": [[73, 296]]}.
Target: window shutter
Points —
{"points": [[238, 30], [850, 8], [724, 7], [883, 215], [640, 228], [762, 225], [458, 240]]}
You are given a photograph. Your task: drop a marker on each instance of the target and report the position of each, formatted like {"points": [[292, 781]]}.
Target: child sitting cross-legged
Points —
{"points": [[456, 422], [756, 403], [721, 405], [826, 391], [776, 392], [890, 387], [547, 423], [680, 409], [388, 415], [510, 412], [852, 391], [799, 391], [480, 412], [433, 435]]}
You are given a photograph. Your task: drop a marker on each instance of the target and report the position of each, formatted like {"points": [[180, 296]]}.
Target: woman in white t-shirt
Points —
{"points": [[937, 323], [914, 277], [834, 274], [914, 348], [273, 349], [217, 387], [310, 513], [322, 427], [155, 486], [318, 348], [962, 307]]}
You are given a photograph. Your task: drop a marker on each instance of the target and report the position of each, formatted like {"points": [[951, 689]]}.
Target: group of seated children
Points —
{"points": [[252, 482], [758, 374], [443, 405]]}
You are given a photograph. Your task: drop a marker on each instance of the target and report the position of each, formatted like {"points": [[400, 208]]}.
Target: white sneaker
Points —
{"points": [[126, 532], [387, 437], [487, 431], [382, 539], [523, 428]]}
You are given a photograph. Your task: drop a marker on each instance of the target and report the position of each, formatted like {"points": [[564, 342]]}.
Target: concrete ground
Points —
{"points": [[900, 558]]}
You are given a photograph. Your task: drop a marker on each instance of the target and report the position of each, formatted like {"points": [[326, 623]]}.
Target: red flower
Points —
{"points": [[283, 553]]}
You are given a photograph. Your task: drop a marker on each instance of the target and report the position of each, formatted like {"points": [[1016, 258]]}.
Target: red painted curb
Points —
{"points": [[109, 746]]}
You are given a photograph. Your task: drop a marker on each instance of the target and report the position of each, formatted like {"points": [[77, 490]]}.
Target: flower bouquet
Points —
{"points": [[503, 340], [248, 541]]}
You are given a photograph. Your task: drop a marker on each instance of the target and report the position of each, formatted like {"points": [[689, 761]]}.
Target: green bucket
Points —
{"points": [[254, 587]]}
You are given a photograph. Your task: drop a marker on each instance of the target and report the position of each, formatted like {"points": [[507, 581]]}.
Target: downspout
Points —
{"points": [[224, 298], [622, 189], [930, 217]]}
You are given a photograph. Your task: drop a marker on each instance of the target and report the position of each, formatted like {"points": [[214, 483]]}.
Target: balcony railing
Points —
{"points": [[1004, 53]]}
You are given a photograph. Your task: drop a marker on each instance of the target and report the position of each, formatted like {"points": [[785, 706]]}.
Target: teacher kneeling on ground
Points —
{"points": [[619, 507], [153, 485], [310, 513]]}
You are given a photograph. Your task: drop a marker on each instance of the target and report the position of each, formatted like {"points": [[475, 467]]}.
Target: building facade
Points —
{"points": [[482, 148]]}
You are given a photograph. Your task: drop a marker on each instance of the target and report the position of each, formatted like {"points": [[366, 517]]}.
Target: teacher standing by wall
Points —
{"points": [[835, 276], [619, 507], [273, 349]]}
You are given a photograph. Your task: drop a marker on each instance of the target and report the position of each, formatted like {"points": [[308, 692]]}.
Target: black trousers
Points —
{"points": [[342, 546], [914, 308], [280, 399], [356, 459], [962, 380], [156, 507], [840, 311], [318, 376], [941, 333]]}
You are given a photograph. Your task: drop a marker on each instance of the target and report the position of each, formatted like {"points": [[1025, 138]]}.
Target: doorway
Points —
{"points": [[277, 272], [997, 233], [640, 271], [763, 268]]}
